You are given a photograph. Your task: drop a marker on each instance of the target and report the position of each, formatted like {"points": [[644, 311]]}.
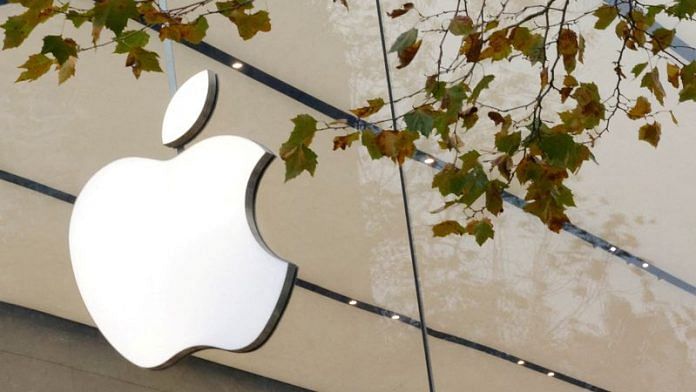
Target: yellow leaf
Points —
{"points": [[673, 74], [650, 133], [67, 69], [641, 108]]}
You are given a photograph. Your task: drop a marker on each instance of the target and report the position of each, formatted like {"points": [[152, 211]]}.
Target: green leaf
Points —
{"points": [[480, 86], [638, 68], [17, 28], [405, 40], [651, 81], [683, 9], [79, 18], [650, 133], [295, 152], [468, 183], [461, 25], [561, 151], [482, 230], [299, 159], [130, 40], [448, 227], [508, 143], [661, 39], [36, 66], [530, 44], [605, 15], [112, 14], [141, 60], [420, 120], [248, 25], [61, 48], [369, 140], [435, 88], [688, 78]]}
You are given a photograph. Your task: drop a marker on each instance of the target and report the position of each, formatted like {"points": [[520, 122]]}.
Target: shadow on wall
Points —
{"points": [[39, 352]]}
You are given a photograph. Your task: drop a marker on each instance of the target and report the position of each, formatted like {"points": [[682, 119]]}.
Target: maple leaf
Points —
{"points": [[373, 106], [397, 145], [641, 108], [404, 40], [406, 55], [605, 15], [638, 69], [673, 74], [130, 40], [683, 9], [61, 48], [248, 25], [661, 39], [36, 66], [499, 46], [420, 120], [400, 11], [343, 142], [140, 60], [67, 69], [484, 83], [17, 28], [295, 152], [651, 81], [448, 227], [112, 14], [461, 25], [192, 32], [494, 197], [471, 47], [568, 48], [650, 133], [481, 229]]}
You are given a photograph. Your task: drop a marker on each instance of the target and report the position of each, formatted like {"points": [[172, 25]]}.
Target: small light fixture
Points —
{"points": [[646, 265], [237, 65], [520, 362], [395, 317], [429, 161], [612, 249], [352, 302], [550, 374]]}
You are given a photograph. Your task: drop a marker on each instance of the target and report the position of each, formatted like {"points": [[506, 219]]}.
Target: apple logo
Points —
{"points": [[167, 255]]}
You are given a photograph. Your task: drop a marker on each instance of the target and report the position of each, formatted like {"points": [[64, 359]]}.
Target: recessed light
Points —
{"points": [[646, 265], [550, 374], [612, 249], [352, 302], [395, 317], [520, 362], [237, 65], [428, 161]]}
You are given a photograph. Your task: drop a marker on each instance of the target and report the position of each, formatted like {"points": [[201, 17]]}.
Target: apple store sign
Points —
{"points": [[167, 255]]}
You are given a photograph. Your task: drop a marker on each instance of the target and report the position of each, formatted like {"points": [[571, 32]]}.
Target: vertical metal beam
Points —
{"points": [[414, 263], [169, 57]]}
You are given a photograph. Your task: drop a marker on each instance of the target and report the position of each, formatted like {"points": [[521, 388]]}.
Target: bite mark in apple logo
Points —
{"points": [[167, 255]]}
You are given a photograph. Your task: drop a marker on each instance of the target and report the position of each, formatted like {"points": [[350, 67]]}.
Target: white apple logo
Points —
{"points": [[167, 255]]}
